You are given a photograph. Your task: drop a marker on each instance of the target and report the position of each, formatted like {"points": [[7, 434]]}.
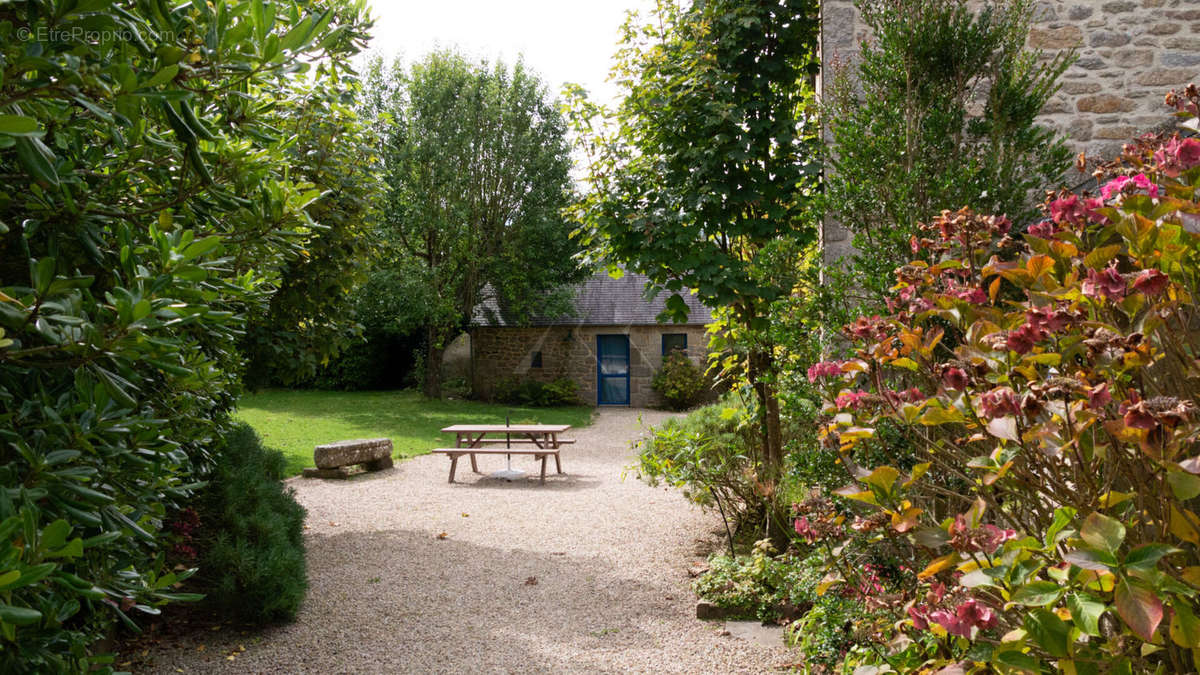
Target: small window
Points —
{"points": [[674, 342], [536, 361]]}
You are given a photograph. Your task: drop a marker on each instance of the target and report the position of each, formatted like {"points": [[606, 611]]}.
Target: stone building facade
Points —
{"points": [[1130, 53], [607, 311], [499, 352]]}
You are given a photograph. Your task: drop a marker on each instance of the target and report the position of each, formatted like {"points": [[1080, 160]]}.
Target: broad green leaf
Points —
{"points": [[19, 616], [1146, 557], [1184, 485], [1103, 532], [1020, 660], [1049, 632], [1086, 612], [19, 125], [1037, 594], [1062, 517], [164, 75], [1185, 627], [55, 535]]}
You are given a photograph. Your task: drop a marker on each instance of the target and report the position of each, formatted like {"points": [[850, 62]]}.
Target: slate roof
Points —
{"points": [[602, 300]]}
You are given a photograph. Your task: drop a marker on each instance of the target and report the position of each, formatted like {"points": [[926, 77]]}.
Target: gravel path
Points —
{"points": [[587, 573]]}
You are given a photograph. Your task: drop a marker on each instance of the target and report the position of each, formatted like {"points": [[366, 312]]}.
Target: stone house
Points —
{"points": [[611, 347], [1130, 53]]}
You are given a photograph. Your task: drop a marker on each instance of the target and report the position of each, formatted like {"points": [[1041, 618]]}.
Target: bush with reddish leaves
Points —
{"points": [[1051, 380]]}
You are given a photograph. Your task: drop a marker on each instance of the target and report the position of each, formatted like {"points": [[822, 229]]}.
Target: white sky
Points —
{"points": [[563, 40]]}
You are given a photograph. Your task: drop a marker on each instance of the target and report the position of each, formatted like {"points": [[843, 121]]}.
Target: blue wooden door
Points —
{"points": [[612, 369]]}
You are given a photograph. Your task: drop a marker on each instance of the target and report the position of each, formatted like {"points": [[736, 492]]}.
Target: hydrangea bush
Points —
{"points": [[1050, 380]]}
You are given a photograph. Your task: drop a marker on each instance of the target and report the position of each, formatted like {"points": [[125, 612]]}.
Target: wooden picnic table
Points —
{"points": [[470, 440]]}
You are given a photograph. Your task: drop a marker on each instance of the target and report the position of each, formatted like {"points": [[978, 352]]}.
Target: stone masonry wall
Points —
{"points": [[499, 353], [1130, 53]]}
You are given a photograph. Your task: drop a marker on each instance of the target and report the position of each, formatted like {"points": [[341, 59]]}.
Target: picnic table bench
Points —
{"points": [[539, 440]]}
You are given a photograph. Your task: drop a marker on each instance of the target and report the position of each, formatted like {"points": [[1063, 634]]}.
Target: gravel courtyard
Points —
{"points": [[408, 573]]}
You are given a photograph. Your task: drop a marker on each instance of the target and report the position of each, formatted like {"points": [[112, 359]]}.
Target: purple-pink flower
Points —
{"points": [[824, 369], [1150, 282], [1121, 183], [1106, 283]]}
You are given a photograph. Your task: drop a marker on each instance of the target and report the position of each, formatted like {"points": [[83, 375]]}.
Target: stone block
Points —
{"points": [[1065, 37], [1108, 38], [348, 453], [1119, 7], [1164, 29], [1180, 58], [1104, 103], [1165, 77]]}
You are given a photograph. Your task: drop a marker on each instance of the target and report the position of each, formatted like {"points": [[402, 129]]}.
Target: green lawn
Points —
{"points": [[296, 421]]}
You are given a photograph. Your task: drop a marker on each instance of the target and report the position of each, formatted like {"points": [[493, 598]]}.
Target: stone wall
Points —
{"points": [[1131, 52], [498, 353]]}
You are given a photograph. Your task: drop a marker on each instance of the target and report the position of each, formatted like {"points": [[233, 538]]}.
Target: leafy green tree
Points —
{"points": [[310, 318], [940, 113], [477, 166], [702, 177], [147, 206]]}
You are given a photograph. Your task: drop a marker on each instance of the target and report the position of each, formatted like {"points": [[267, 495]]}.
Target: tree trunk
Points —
{"points": [[758, 370], [433, 362]]}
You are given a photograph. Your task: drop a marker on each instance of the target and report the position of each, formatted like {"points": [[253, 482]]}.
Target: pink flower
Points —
{"points": [[998, 402], [1044, 229], [1098, 396], [824, 369], [954, 379], [1137, 414], [911, 395], [1022, 339], [1107, 283], [1150, 282], [1178, 156], [918, 618], [868, 328], [850, 399], [1121, 183], [1067, 210], [1048, 320], [993, 537]]}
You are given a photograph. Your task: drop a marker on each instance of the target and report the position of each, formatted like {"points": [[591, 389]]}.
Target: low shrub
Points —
{"points": [[1053, 377], [252, 550], [784, 589], [679, 381], [529, 392], [708, 456], [761, 585]]}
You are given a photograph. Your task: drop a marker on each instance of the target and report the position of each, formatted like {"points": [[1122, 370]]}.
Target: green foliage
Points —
{"points": [[252, 537], [707, 455], [477, 167], [679, 381], [310, 317], [561, 391], [939, 113], [759, 585], [1052, 376], [147, 206], [770, 587], [709, 164]]}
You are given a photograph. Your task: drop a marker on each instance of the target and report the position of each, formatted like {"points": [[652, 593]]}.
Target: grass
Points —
{"points": [[297, 421]]}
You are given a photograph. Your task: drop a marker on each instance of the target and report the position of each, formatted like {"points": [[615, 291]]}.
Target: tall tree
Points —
{"points": [[310, 316], [705, 170], [477, 166], [940, 113]]}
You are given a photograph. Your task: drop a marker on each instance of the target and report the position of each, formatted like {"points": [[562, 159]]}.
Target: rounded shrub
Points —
{"points": [[253, 563], [679, 381]]}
